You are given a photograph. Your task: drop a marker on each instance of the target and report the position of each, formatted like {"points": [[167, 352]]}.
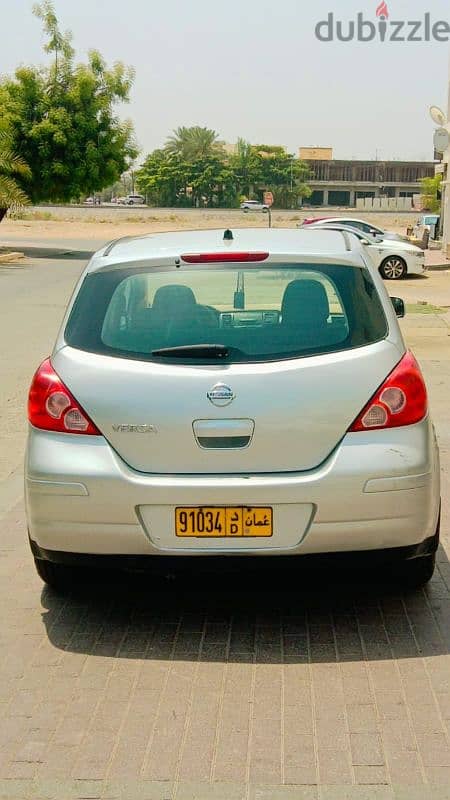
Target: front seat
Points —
{"points": [[174, 312], [305, 311]]}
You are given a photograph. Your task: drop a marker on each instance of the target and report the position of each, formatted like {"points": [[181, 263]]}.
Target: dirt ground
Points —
{"points": [[114, 222]]}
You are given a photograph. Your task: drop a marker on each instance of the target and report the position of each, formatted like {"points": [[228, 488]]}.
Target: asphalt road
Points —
{"points": [[34, 294]]}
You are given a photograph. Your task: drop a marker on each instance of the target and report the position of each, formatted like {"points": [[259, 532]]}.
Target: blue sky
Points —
{"points": [[254, 68]]}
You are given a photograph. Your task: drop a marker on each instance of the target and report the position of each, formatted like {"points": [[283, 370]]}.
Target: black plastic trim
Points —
{"points": [[223, 442], [224, 563]]}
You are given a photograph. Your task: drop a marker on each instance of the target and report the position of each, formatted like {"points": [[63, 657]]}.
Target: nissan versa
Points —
{"points": [[220, 394]]}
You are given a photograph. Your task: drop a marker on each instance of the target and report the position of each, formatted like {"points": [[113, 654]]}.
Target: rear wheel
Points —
{"points": [[393, 268], [57, 576], [418, 572]]}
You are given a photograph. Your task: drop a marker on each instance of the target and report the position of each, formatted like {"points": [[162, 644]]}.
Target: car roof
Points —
{"points": [[378, 240], [317, 245], [335, 225], [343, 216]]}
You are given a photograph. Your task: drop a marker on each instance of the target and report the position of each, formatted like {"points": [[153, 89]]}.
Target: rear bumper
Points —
{"points": [[162, 565], [377, 491]]}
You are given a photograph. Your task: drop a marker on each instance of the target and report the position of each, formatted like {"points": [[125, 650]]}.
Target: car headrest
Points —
{"points": [[305, 302], [173, 298]]}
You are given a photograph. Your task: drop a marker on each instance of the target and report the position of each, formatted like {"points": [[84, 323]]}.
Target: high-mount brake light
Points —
{"points": [[52, 407], [218, 258], [400, 400]]}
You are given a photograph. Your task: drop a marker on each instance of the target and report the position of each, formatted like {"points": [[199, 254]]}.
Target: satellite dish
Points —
{"points": [[441, 140], [437, 115]]}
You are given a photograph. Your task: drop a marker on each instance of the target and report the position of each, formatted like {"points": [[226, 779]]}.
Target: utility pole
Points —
{"points": [[446, 187]]}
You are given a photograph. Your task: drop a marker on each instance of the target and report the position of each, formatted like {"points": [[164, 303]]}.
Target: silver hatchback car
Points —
{"points": [[226, 395]]}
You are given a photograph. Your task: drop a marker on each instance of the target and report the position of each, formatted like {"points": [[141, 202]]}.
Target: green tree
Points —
{"points": [[180, 175], [12, 167], [168, 179], [164, 178], [212, 181], [63, 119], [431, 189], [246, 165], [282, 174], [193, 143]]}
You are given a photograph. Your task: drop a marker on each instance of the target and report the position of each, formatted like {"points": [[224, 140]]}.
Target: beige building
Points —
{"points": [[230, 149], [315, 153], [339, 182]]}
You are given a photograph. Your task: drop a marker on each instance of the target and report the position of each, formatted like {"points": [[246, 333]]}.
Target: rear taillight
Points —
{"points": [[53, 408], [401, 400]]}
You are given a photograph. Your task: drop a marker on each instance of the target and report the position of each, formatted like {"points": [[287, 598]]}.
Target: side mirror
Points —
{"points": [[399, 306]]}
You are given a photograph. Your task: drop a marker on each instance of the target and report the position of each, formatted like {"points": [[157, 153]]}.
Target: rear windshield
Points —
{"points": [[253, 313]]}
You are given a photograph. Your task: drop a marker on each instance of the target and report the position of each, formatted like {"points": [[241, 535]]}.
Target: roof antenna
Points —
{"points": [[228, 235]]}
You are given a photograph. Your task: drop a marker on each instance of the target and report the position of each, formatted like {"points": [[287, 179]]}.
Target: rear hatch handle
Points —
{"points": [[223, 434]]}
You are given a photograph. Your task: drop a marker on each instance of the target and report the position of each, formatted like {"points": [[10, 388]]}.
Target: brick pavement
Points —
{"points": [[328, 691]]}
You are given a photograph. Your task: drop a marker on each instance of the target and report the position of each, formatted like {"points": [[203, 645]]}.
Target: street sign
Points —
{"points": [[268, 198], [441, 140]]}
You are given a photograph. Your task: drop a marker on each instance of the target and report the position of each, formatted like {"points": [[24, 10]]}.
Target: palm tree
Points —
{"points": [[247, 166], [193, 143], [11, 165]]}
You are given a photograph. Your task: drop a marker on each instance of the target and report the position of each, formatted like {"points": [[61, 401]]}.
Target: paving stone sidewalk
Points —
{"points": [[330, 688]]}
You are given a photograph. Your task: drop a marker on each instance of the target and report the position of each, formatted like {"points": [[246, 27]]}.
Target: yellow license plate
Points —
{"points": [[234, 522]]}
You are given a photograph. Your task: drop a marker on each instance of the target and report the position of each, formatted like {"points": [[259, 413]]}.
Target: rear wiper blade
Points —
{"points": [[195, 351]]}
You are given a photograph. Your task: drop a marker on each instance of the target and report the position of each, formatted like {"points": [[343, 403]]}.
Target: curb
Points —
{"points": [[437, 267], [5, 258], [53, 252]]}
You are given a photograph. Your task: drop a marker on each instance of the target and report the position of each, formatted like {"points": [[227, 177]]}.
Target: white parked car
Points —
{"points": [[132, 200], [214, 394], [360, 224], [254, 205], [395, 260]]}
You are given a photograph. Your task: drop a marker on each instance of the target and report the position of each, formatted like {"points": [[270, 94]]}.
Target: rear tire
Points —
{"points": [[416, 573], [393, 268], [57, 576]]}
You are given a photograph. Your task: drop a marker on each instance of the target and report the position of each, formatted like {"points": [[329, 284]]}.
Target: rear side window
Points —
{"points": [[257, 313]]}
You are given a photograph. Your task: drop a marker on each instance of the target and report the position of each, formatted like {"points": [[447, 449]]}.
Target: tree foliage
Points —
{"points": [[431, 190], [12, 168], [193, 169], [62, 118], [193, 143]]}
